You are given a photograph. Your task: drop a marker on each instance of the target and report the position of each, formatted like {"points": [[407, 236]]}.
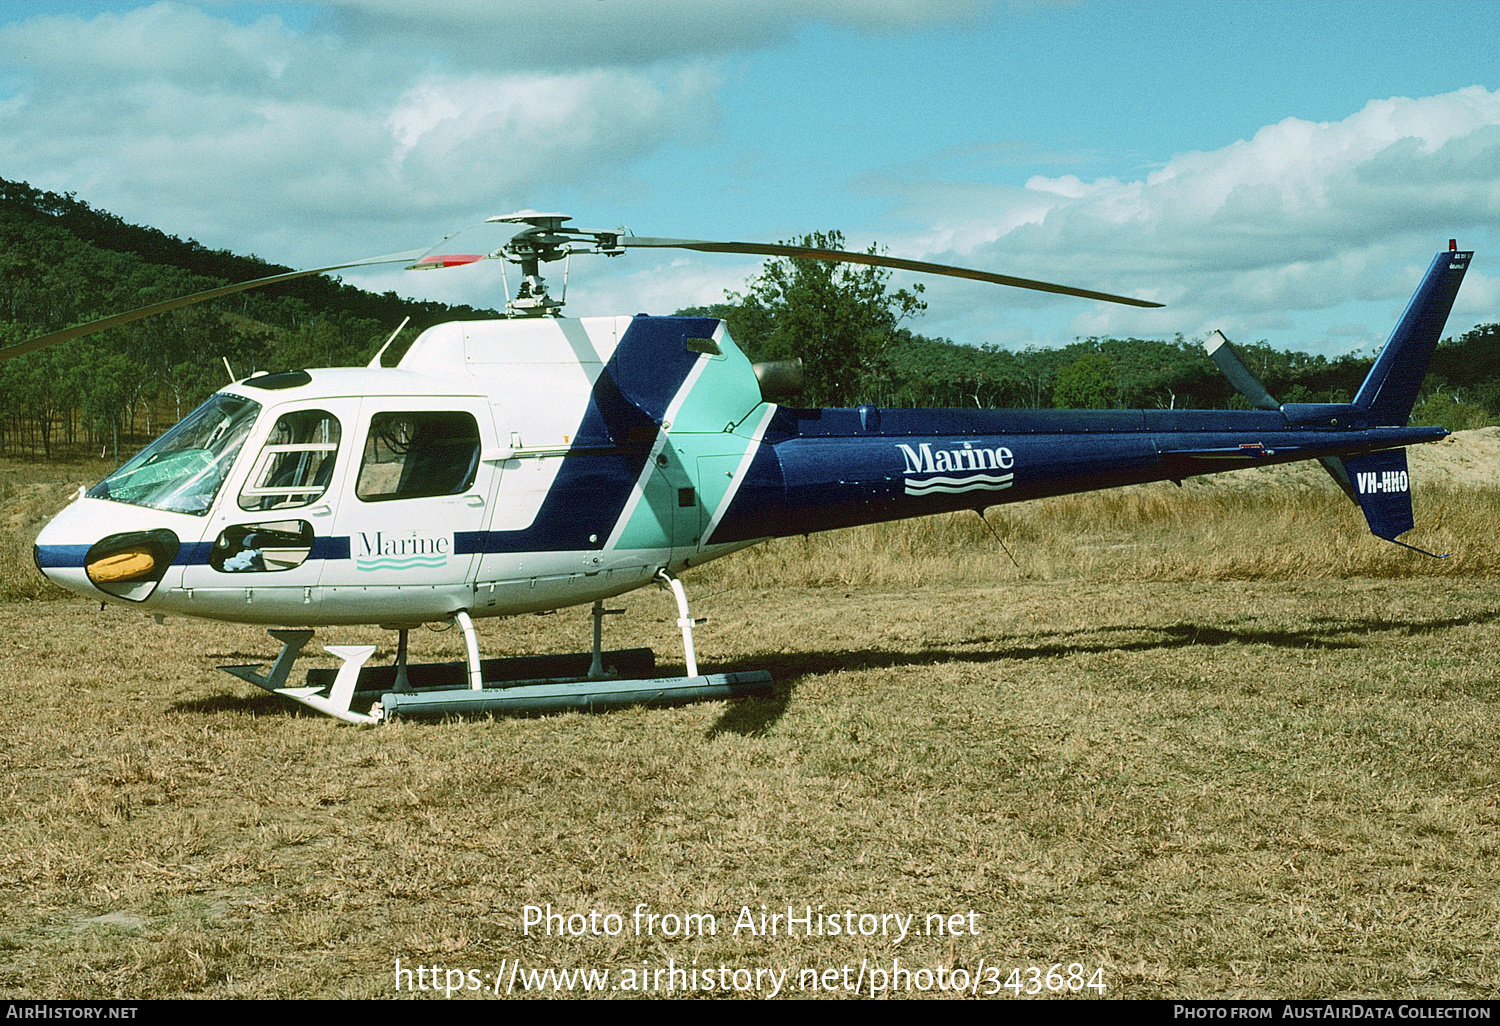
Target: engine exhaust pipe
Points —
{"points": [[780, 380]]}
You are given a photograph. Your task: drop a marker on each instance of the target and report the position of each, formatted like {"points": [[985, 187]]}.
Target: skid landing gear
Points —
{"points": [[528, 685], [336, 698]]}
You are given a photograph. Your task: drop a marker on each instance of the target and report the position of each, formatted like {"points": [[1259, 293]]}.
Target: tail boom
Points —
{"points": [[818, 470]]}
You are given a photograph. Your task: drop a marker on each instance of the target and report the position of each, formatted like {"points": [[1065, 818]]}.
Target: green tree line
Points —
{"points": [[853, 334], [63, 262]]}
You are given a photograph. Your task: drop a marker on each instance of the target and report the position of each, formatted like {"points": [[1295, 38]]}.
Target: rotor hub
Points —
{"points": [[546, 241]]}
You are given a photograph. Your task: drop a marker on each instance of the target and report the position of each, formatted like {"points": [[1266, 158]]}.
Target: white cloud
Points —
{"points": [[662, 288], [521, 133], [162, 42], [553, 34], [302, 148], [1301, 217]]}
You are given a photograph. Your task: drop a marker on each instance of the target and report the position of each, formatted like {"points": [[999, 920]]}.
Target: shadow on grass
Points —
{"points": [[261, 703], [1326, 634], [751, 716]]}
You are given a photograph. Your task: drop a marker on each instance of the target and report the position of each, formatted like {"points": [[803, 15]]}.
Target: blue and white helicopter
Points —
{"points": [[536, 462]]}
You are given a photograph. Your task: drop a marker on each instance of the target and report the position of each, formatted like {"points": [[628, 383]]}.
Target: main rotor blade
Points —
{"points": [[31, 345], [877, 260], [1221, 352]]}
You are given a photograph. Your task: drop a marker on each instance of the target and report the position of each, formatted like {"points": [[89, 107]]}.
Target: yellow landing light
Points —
{"points": [[129, 565]]}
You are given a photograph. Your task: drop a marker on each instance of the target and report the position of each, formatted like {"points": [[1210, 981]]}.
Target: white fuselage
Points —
{"points": [[456, 481]]}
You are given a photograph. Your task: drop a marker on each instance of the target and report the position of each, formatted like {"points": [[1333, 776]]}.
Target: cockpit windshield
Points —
{"points": [[182, 471]]}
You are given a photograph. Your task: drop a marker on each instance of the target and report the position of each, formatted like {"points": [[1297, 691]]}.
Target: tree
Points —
{"points": [[1089, 383], [838, 318], [1447, 410], [107, 395], [312, 345]]}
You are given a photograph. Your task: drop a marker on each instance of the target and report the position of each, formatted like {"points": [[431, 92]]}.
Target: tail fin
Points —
{"points": [[1379, 483], [1390, 390], [1382, 487]]}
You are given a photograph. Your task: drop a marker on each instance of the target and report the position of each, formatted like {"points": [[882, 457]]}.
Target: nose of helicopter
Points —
{"points": [[93, 547], [62, 547]]}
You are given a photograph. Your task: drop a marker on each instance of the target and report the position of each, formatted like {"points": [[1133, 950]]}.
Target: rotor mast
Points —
{"points": [[545, 241]]}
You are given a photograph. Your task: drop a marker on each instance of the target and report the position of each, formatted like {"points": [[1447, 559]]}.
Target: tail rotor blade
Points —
{"points": [[1229, 362]]}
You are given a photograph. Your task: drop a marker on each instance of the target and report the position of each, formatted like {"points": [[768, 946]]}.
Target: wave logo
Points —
{"points": [[381, 552], [955, 471]]}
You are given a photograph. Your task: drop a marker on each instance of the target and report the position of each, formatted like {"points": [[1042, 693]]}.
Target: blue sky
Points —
{"points": [[1279, 171]]}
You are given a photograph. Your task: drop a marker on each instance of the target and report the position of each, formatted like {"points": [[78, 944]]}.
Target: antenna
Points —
{"points": [[376, 362]]}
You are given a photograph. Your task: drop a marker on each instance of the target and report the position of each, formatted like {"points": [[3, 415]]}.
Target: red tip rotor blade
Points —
{"points": [[436, 260]]}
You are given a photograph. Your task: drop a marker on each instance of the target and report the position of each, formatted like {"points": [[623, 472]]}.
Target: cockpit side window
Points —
{"points": [[411, 455], [296, 464]]}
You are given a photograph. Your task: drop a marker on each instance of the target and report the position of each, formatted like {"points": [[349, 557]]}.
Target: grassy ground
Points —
{"points": [[1229, 748]]}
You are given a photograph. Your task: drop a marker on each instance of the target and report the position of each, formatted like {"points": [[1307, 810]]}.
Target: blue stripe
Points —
{"points": [[55, 556], [624, 416], [330, 548], [195, 554]]}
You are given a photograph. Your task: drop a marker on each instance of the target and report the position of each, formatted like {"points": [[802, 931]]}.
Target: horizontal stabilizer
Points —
{"points": [[1228, 361]]}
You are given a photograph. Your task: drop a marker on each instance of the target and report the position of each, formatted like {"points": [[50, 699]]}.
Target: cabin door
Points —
{"points": [[414, 507]]}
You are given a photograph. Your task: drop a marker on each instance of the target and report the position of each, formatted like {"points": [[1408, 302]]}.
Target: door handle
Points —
{"points": [[474, 500]]}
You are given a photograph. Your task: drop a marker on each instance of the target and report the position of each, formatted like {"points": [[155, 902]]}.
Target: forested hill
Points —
{"points": [[23, 207], [1149, 373], [63, 262]]}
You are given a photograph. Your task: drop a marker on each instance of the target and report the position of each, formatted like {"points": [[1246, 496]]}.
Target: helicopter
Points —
{"points": [[535, 462]]}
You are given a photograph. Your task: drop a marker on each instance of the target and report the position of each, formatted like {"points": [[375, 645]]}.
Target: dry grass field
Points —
{"points": [[1213, 741]]}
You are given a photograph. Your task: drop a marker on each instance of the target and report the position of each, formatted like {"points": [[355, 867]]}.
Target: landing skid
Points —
{"points": [[527, 685]]}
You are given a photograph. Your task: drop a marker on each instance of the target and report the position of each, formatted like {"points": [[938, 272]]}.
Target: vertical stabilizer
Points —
{"points": [[1390, 390]]}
